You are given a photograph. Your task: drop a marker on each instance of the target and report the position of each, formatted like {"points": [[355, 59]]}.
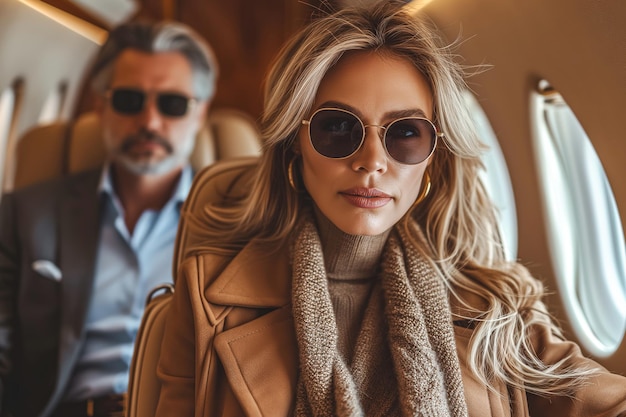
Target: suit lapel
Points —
{"points": [[79, 227]]}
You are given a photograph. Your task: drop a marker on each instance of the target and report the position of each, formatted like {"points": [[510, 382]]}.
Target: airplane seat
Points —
{"points": [[39, 154], [212, 184], [51, 151]]}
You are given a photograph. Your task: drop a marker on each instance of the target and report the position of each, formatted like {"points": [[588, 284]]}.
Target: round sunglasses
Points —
{"points": [[131, 101], [337, 133]]}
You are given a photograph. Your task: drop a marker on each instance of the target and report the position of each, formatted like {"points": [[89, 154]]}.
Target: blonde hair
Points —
{"points": [[457, 217]]}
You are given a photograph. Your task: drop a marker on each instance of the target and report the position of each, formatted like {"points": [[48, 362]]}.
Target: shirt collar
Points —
{"points": [[105, 186], [184, 185]]}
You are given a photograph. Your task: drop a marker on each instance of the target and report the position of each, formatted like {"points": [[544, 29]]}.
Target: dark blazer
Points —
{"points": [[42, 317]]}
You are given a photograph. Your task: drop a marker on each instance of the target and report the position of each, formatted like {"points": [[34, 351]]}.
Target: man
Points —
{"points": [[79, 255]]}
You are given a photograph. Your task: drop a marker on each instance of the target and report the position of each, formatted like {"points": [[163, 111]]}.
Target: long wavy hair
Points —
{"points": [[458, 218]]}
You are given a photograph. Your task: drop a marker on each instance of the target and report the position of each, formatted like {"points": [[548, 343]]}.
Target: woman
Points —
{"points": [[363, 274]]}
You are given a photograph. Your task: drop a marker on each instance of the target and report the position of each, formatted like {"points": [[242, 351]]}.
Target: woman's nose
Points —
{"points": [[371, 156]]}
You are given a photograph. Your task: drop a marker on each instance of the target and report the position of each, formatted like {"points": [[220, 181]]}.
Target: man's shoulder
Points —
{"points": [[54, 188]]}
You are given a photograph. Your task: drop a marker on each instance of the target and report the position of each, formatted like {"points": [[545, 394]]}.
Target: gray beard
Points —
{"points": [[172, 161]]}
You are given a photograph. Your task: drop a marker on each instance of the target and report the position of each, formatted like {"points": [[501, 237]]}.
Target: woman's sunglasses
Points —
{"points": [[338, 133], [130, 101]]}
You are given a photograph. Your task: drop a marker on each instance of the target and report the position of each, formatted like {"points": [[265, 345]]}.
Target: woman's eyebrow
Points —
{"points": [[339, 105], [398, 114], [391, 115]]}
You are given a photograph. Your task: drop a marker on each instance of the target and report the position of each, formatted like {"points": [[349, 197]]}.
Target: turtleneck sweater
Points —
{"points": [[352, 265]]}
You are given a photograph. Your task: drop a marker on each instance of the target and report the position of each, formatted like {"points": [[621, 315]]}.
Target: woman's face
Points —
{"points": [[367, 192]]}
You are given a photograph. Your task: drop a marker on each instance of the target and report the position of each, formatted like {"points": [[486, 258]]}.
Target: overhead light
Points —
{"points": [[73, 23]]}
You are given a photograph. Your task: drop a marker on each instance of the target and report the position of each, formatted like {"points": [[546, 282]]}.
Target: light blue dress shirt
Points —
{"points": [[127, 268]]}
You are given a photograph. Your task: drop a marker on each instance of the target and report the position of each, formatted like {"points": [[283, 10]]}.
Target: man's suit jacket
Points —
{"points": [[42, 317]]}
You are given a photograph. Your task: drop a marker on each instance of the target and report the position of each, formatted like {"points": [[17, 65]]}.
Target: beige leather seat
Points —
{"points": [[229, 177], [50, 151]]}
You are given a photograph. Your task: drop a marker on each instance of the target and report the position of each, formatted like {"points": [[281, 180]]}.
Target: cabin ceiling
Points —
{"points": [[103, 13], [111, 11]]}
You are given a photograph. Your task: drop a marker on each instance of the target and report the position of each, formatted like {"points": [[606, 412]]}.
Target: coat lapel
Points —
{"points": [[257, 349], [260, 359], [256, 277]]}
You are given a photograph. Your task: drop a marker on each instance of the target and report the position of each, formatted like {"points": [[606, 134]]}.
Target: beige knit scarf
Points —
{"points": [[405, 361]]}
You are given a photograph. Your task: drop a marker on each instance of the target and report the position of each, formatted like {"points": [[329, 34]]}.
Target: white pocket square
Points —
{"points": [[47, 269]]}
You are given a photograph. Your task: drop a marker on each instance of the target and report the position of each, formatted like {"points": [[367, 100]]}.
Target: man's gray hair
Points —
{"points": [[158, 37]]}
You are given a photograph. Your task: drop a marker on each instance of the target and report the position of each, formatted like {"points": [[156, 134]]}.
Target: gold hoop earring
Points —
{"points": [[290, 176], [424, 188]]}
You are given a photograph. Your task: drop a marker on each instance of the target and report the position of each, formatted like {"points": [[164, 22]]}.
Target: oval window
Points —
{"points": [[52, 107], [496, 177], [585, 233], [7, 112]]}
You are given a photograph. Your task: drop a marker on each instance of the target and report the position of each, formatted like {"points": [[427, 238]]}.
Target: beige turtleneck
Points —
{"points": [[352, 265]]}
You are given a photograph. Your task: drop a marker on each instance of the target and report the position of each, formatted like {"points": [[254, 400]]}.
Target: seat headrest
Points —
{"points": [[86, 148], [214, 182], [51, 151]]}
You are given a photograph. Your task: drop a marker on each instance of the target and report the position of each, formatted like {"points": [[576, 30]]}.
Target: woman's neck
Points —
{"points": [[349, 256]]}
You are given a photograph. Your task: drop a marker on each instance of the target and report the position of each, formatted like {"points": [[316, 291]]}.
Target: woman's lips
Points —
{"points": [[366, 197]]}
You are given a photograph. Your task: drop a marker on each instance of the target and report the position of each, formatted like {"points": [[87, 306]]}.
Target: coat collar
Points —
{"points": [[260, 360], [257, 347], [258, 276]]}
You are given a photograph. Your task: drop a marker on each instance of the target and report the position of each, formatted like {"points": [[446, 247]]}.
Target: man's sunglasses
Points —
{"points": [[131, 101], [338, 133]]}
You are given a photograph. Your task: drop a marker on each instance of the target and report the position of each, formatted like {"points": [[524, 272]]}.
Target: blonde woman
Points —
{"points": [[363, 274]]}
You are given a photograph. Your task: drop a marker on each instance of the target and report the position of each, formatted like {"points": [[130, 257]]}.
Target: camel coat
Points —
{"points": [[230, 349]]}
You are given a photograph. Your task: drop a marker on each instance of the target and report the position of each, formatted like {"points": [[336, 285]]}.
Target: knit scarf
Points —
{"points": [[405, 360]]}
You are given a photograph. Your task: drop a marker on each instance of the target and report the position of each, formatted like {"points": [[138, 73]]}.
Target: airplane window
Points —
{"points": [[584, 227], [7, 107], [496, 178], [51, 110]]}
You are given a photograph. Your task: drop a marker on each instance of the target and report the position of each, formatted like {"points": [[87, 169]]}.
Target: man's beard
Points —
{"points": [[138, 166]]}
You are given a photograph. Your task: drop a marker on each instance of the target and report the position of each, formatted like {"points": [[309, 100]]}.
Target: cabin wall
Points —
{"points": [[579, 47], [52, 58]]}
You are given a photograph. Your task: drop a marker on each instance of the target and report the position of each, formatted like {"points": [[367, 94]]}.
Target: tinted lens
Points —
{"points": [[410, 140], [127, 101], [335, 133], [172, 104]]}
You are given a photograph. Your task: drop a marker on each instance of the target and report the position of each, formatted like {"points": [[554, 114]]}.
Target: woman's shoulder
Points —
{"points": [[200, 269], [256, 263]]}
